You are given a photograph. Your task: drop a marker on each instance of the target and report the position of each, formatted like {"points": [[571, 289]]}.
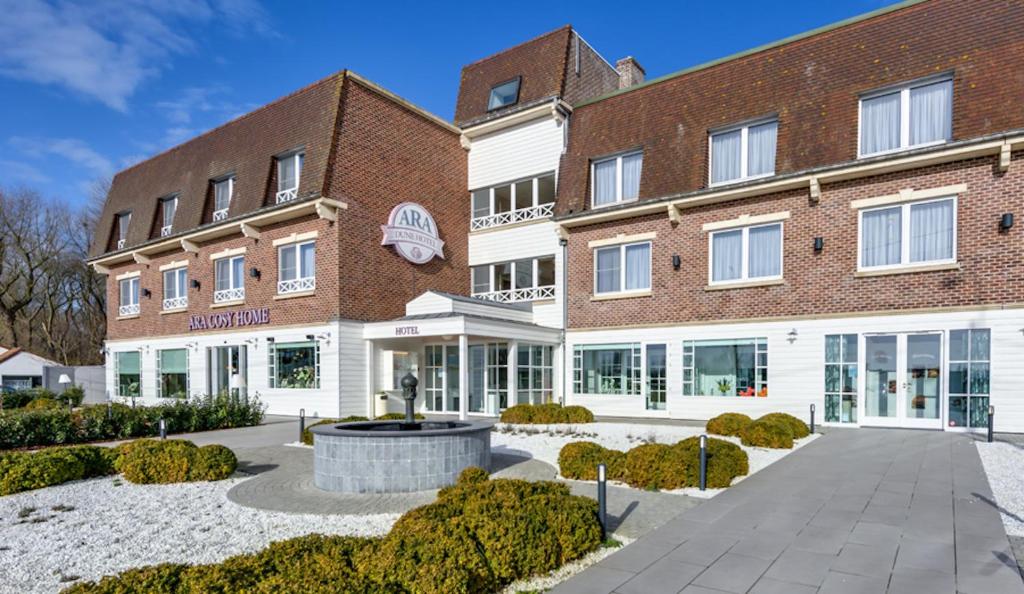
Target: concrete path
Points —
{"points": [[862, 510]]}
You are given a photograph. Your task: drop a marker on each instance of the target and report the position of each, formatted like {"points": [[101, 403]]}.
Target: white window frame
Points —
{"points": [[122, 230], [167, 226], [131, 308], [744, 129], [180, 298], [515, 294], [905, 235], [235, 291], [618, 178], [518, 213], [221, 214], [622, 269], [299, 284], [904, 91], [745, 248], [160, 374], [288, 194], [490, 96]]}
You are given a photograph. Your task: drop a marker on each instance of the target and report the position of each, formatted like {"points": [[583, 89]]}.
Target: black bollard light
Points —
{"points": [[812, 418], [163, 429], [991, 421], [302, 422], [703, 462], [602, 499]]}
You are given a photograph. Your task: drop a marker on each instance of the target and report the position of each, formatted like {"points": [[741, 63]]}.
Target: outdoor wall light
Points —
{"points": [[819, 244], [1006, 222], [147, 293], [254, 273], [791, 336], [194, 284], [676, 261], [270, 339]]}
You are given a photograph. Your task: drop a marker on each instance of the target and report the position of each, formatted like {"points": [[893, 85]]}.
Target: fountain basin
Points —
{"points": [[392, 457]]}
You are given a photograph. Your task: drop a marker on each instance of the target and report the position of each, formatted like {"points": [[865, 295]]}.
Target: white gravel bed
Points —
{"points": [[544, 583], [1003, 463], [544, 442], [113, 525]]}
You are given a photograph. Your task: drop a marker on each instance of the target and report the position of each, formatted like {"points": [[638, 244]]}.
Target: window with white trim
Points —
{"points": [[289, 170], [607, 369], [503, 94], [128, 371], [841, 378], [622, 268], [168, 208], [727, 367], [616, 179], [222, 192], [970, 362], [229, 279], [909, 234], [296, 264], [524, 200], [129, 289], [123, 220], [294, 365], [172, 373], [743, 152], [175, 288], [529, 279], [745, 254], [534, 374], [916, 114]]}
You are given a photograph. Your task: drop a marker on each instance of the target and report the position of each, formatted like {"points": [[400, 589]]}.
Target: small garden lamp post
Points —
{"points": [[602, 499], [812, 418], [409, 383], [302, 423], [703, 462], [64, 380], [991, 421]]}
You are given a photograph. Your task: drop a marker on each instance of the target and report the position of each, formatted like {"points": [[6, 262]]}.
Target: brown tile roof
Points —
{"points": [[11, 353]]}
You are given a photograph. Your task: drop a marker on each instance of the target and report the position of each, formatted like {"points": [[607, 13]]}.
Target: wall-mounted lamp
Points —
{"points": [[819, 244], [194, 283], [791, 336], [1006, 222], [310, 337], [254, 273], [676, 261], [270, 339], [191, 345], [147, 293]]}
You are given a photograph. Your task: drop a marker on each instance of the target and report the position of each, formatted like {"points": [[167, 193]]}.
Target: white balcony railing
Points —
{"points": [[296, 285], [513, 216], [132, 309], [220, 215], [517, 295], [165, 231], [286, 195], [120, 244], [229, 295], [175, 303]]}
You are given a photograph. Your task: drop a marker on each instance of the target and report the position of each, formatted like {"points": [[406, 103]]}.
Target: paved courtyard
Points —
{"points": [[863, 510]]}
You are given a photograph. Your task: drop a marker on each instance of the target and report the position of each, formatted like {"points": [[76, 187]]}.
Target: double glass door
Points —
{"points": [[227, 370], [903, 380]]}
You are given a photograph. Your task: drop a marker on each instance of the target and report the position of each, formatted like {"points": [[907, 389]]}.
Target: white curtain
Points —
{"points": [[880, 236], [761, 148], [237, 276], [308, 268], [608, 270], [931, 112], [604, 182], [726, 255], [287, 174], [631, 165], [222, 275], [288, 264], [880, 124], [638, 266], [725, 156], [765, 251], [931, 231], [170, 206]]}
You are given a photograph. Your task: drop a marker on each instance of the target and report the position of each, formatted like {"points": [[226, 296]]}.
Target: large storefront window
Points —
{"points": [[969, 360], [497, 376], [295, 365], [841, 378], [534, 374], [612, 369], [172, 371], [129, 375], [730, 367]]}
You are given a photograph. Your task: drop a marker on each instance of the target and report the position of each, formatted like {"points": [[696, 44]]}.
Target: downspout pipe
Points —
{"points": [[565, 314]]}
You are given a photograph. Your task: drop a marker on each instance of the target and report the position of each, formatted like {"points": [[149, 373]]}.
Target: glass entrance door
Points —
{"points": [[903, 380], [227, 370]]}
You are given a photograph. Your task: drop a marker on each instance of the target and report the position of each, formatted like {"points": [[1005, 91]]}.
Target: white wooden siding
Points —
{"points": [[525, 150]]}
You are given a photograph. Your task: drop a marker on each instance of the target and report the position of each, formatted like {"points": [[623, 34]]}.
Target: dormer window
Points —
{"points": [[504, 94], [169, 206], [123, 220], [289, 169], [915, 114], [222, 192]]}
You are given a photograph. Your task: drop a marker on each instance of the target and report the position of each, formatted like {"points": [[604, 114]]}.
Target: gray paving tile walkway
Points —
{"points": [[865, 510]]}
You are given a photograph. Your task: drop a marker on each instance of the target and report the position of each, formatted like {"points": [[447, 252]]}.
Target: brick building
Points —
{"points": [[823, 220]]}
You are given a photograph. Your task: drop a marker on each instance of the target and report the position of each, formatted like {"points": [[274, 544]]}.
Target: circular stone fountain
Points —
{"points": [[397, 456]]}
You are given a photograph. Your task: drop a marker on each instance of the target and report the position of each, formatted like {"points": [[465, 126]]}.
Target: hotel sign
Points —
{"points": [[229, 319], [413, 232]]}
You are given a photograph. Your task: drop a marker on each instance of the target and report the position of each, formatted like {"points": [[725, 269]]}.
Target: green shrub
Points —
{"points": [[43, 403], [578, 414], [395, 416], [25, 471], [151, 461], [767, 434], [796, 426], [307, 435], [520, 414], [655, 466], [726, 461], [17, 399], [728, 424], [473, 474], [75, 394], [545, 414], [579, 459]]}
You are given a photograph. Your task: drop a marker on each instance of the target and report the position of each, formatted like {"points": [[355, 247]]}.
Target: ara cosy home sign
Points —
{"points": [[413, 232]]}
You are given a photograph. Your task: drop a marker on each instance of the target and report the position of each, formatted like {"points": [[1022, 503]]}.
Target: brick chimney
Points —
{"points": [[630, 72]]}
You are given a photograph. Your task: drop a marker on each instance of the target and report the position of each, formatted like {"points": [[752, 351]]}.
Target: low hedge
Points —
{"points": [[546, 414], [22, 428], [728, 424], [479, 536], [579, 459], [767, 433], [25, 471], [152, 461], [796, 426]]}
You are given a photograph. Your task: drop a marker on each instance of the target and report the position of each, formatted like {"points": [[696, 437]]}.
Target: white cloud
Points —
{"points": [[71, 149], [18, 173], [104, 49]]}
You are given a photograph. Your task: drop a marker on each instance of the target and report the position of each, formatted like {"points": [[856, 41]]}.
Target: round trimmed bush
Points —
{"points": [[726, 461], [520, 414], [550, 413], [767, 434], [307, 436], [796, 426], [43, 403], [728, 424], [395, 416], [28, 471], [213, 463], [579, 459], [578, 414], [150, 461], [473, 474], [656, 466]]}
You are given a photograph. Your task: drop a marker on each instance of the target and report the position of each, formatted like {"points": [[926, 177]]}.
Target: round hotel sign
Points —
{"points": [[413, 232]]}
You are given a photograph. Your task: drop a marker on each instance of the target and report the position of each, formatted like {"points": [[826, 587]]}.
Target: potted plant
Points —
{"points": [[724, 386]]}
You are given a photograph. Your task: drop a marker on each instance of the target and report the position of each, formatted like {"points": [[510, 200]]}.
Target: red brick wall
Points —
{"points": [[813, 85], [816, 283], [595, 76], [260, 253], [388, 155]]}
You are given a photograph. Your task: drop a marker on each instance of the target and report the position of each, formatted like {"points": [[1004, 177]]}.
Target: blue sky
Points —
{"points": [[92, 86]]}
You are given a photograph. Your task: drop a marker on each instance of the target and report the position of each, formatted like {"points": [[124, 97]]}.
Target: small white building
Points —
{"points": [[21, 370]]}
